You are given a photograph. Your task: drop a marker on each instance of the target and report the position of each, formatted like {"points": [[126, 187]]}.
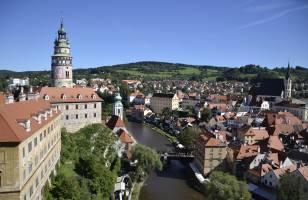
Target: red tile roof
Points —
{"points": [[64, 94], [275, 143], [124, 137], [11, 114], [115, 121]]}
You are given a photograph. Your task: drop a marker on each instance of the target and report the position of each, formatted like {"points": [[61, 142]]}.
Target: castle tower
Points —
{"points": [[61, 61], [288, 83], [118, 106]]}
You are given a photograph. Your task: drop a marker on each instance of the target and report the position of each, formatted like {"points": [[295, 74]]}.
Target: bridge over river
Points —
{"points": [[176, 181]]}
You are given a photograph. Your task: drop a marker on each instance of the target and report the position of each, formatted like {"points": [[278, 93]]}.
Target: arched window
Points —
{"points": [[79, 96], [93, 96], [67, 74]]}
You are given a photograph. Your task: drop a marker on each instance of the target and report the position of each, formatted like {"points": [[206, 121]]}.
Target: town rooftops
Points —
{"points": [[20, 120], [164, 95], [64, 94]]}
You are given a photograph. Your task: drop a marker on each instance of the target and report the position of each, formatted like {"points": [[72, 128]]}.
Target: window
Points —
{"points": [[23, 152], [44, 133], [67, 74], [95, 105], [30, 167], [76, 107], [36, 181], [29, 147], [35, 142], [85, 106], [77, 116], [66, 117], [41, 137], [31, 190], [85, 115], [67, 107], [94, 114], [25, 197]]}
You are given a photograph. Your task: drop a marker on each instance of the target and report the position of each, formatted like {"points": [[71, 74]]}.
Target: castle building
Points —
{"points": [[79, 106], [61, 61], [30, 145]]}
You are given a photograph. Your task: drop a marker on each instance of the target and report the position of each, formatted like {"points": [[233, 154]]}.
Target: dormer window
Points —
{"points": [[79, 96], [63, 96], [38, 118], [26, 124], [45, 115], [46, 97], [93, 96]]}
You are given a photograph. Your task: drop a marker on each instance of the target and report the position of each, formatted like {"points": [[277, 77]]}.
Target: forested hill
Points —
{"points": [[163, 70]]}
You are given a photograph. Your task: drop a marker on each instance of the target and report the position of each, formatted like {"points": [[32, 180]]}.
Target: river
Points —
{"points": [[172, 183]]}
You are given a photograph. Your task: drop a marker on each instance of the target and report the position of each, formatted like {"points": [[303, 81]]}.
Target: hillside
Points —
{"points": [[151, 70]]}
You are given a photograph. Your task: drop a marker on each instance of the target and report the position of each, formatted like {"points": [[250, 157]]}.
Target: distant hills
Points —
{"points": [[152, 70]]}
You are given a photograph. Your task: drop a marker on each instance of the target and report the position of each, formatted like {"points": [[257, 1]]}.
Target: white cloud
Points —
{"points": [[274, 17]]}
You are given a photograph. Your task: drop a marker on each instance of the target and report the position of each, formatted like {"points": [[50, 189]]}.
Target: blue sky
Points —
{"points": [[221, 32]]}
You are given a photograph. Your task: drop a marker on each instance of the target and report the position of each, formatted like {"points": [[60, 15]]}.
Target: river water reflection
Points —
{"points": [[173, 182]]}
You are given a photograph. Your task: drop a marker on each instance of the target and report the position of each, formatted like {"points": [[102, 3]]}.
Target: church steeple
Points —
{"points": [[61, 65], [118, 106], [288, 74], [288, 83]]}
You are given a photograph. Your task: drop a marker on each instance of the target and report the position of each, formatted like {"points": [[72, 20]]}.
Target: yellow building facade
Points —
{"points": [[30, 145]]}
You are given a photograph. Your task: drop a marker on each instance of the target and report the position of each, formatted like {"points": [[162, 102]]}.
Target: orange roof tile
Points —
{"points": [[64, 94], [11, 114], [124, 137], [115, 121]]}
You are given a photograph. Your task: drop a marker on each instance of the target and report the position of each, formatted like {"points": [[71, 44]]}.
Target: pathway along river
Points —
{"points": [[172, 183]]}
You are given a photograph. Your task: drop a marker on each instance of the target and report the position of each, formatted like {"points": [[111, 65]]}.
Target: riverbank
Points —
{"points": [[136, 190], [170, 138]]}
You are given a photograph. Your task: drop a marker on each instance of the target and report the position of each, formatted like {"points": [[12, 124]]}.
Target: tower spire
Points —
{"points": [[288, 74]]}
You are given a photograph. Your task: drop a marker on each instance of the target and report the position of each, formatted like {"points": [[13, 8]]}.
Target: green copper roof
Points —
{"points": [[118, 97], [61, 29]]}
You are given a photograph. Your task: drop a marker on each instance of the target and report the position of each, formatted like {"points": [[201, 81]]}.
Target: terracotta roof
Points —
{"points": [[248, 151], [13, 114], [259, 133], [275, 143], [115, 121], [282, 118], [304, 171], [64, 94], [124, 137], [279, 172]]}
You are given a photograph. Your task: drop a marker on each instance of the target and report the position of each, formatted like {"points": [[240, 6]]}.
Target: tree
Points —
{"points": [[225, 186], [206, 114], [147, 158], [292, 188], [65, 188], [166, 112], [188, 137]]}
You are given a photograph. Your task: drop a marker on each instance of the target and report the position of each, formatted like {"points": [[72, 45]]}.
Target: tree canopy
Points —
{"points": [[292, 188], [225, 186], [147, 158]]}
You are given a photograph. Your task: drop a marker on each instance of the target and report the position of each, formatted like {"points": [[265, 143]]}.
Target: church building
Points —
{"points": [[272, 90]]}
